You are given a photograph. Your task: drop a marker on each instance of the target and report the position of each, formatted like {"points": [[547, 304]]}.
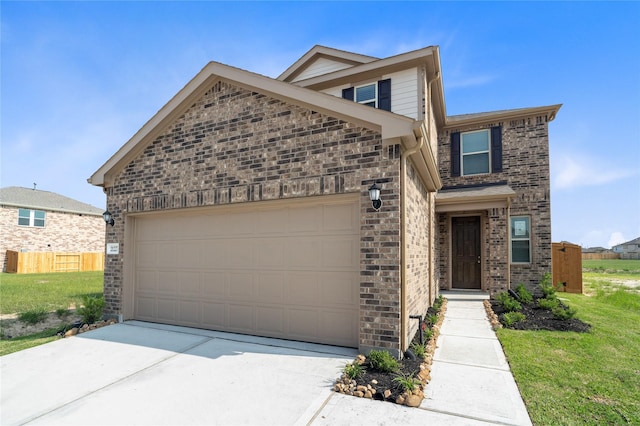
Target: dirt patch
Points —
{"points": [[11, 327]]}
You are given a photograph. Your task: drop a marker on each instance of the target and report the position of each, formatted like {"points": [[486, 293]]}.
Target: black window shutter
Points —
{"points": [[496, 149], [455, 154], [384, 94], [348, 93]]}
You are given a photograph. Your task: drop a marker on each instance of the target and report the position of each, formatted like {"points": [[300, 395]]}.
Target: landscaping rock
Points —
{"points": [[413, 401], [71, 332]]}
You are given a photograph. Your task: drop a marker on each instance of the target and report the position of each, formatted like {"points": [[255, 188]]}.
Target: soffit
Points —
{"points": [[461, 199], [464, 120]]}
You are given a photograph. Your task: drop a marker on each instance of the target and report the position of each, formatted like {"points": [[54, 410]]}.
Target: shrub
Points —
{"points": [[383, 361], [548, 304], [353, 370], [91, 310], [548, 291], [33, 316], [418, 350], [511, 318], [508, 303], [562, 313], [525, 295], [432, 319], [407, 382]]}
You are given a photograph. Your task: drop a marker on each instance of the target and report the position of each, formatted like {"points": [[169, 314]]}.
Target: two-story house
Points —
{"points": [[244, 204], [32, 220]]}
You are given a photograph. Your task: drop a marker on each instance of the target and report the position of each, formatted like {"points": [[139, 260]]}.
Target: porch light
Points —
{"points": [[374, 195], [108, 218]]}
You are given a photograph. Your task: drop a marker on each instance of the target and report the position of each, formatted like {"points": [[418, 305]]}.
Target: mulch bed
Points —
{"points": [[537, 318]]}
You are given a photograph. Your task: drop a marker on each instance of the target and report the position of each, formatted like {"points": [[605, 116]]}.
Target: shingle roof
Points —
{"points": [[15, 196], [634, 241]]}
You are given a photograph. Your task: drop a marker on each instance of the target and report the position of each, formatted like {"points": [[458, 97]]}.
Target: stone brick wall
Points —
{"points": [[237, 146], [63, 232], [525, 159], [418, 244]]}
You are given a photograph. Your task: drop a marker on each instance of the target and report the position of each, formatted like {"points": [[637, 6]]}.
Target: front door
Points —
{"points": [[465, 265]]}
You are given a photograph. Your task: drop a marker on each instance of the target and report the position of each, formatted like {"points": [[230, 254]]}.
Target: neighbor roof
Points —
{"points": [[14, 196], [634, 241]]}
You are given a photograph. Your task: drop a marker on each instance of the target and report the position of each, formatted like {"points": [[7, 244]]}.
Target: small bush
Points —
{"points": [[548, 291], [33, 316], [383, 361], [508, 303], [418, 350], [525, 295], [511, 318], [432, 319], [62, 312], [407, 382], [549, 304], [563, 313], [353, 370], [91, 310]]}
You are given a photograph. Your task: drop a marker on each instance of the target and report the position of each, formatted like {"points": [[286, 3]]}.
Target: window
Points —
{"points": [[34, 218], [520, 239], [367, 95], [377, 95], [476, 152]]}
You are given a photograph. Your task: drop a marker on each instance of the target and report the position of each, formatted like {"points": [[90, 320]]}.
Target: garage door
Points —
{"points": [[282, 270]]}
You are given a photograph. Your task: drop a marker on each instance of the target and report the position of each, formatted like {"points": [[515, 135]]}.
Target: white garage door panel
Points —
{"points": [[290, 272]]}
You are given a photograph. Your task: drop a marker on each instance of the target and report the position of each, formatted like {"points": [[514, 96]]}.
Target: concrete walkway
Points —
{"points": [[470, 376]]}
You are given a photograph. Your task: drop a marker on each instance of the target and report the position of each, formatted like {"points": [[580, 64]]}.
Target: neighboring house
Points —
{"points": [[243, 204], [596, 250], [628, 250], [40, 221]]}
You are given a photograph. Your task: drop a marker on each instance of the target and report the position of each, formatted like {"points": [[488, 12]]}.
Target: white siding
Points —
{"points": [[321, 66], [404, 92]]}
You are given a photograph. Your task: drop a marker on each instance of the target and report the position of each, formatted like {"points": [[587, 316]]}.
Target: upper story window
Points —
{"points": [[33, 218], [367, 95], [377, 95], [476, 152]]}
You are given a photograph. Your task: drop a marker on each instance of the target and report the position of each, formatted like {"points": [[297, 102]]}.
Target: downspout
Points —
{"points": [[403, 220]]}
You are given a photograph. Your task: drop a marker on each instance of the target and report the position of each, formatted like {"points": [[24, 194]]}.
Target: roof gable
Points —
{"points": [[391, 126], [14, 196], [321, 60]]}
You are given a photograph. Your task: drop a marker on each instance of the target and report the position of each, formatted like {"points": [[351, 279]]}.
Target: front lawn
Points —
{"points": [[25, 292], [569, 378]]}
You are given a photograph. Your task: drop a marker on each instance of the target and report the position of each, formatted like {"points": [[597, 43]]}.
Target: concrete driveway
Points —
{"points": [[139, 373]]}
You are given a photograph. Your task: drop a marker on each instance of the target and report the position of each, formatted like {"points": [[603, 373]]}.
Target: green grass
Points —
{"points": [[26, 342], [612, 265], [583, 378], [27, 292]]}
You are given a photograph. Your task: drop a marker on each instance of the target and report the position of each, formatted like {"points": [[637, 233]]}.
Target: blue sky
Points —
{"points": [[78, 79]]}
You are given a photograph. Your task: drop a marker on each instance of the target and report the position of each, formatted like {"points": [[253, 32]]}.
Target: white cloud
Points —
{"points": [[574, 171], [615, 239]]}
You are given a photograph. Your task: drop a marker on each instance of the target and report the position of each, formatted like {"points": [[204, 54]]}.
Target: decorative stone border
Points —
{"points": [[491, 316], [88, 327], [345, 385]]}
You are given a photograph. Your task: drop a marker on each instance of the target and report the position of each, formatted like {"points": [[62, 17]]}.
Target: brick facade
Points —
{"points": [[237, 146], [63, 232], [525, 161]]}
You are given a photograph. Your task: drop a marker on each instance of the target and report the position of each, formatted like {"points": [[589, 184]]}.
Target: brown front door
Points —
{"points": [[465, 267]]}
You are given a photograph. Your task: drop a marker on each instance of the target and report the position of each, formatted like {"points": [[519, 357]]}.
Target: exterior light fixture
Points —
{"points": [[108, 218], [374, 194]]}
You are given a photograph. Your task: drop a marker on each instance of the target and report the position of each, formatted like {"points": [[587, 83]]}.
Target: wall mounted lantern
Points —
{"points": [[374, 194], [108, 218]]}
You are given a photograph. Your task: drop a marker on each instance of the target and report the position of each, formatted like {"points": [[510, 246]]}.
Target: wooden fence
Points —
{"points": [[44, 262], [600, 256], [566, 274]]}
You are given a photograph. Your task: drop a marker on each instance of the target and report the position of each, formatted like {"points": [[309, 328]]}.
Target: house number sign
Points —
{"points": [[113, 248]]}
